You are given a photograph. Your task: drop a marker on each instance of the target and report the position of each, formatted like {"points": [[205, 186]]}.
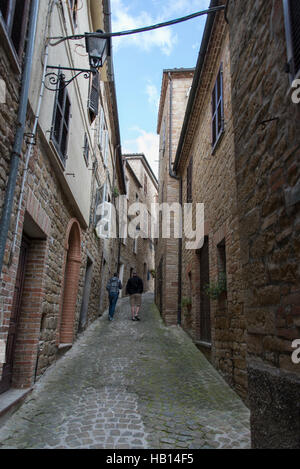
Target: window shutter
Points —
{"points": [[94, 96]]}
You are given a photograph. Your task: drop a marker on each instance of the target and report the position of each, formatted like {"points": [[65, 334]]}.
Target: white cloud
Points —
{"points": [[147, 143], [153, 95], [124, 20]]}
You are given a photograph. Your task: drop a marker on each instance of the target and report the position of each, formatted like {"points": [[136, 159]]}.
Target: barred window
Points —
{"points": [[14, 14], [61, 120], [217, 109], [292, 27]]}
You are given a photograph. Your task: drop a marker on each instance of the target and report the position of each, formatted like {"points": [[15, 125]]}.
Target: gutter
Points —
{"points": [[199, 67], [19, 136], [179, 264]]}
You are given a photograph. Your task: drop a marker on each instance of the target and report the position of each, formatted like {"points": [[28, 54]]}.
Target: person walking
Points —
{"points": [[135, 288], [114, 285]]}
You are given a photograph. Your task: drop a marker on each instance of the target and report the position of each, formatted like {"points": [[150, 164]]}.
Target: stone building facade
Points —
{"points": [[210, 278], [53, 266], [264, 47], [173, 100], [138, 254]]}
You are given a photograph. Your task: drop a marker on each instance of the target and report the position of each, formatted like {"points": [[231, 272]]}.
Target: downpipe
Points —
{"points": [[29, 153], [19, 136]]}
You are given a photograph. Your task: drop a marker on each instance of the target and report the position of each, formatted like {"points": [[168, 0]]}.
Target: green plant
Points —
{"points": [[153, 273], [186, 302], [215, 289], [116, 192]]}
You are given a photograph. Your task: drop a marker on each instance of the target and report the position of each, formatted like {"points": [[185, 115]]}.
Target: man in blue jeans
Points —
{"points": [[113, 286]]}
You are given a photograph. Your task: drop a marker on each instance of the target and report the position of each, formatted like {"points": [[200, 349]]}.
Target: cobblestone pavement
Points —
{"points": [[128, 384]]}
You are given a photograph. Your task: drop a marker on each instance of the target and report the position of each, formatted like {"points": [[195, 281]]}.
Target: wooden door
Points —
{"points": [[205, 323], [5, 383]]}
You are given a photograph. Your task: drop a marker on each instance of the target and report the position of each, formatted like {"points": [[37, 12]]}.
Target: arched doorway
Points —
{"points": [[70, 282]]}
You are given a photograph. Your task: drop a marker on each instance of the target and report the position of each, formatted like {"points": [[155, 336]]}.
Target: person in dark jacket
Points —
{"points": [[113, 286], [135, 288]]}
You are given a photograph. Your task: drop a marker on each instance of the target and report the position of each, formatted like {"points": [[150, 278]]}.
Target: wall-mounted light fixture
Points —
{"points": [[96, 47]]}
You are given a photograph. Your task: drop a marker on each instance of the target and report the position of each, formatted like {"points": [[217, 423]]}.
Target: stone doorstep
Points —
{"points": [[10, 402]]}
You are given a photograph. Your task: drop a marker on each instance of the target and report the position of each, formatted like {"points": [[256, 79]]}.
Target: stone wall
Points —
{"points": [[267, 170], [167, 249], [214, 185]]}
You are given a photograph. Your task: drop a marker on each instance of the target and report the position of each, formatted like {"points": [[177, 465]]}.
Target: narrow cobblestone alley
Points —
{"points": [[128, 384]]}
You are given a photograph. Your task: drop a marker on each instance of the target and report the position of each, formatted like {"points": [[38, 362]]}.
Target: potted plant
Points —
{"points": [[186, 303], [215, 289]]}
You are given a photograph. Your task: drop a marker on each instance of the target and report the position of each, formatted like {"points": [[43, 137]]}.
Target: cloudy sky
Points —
{"points": [[139, 61]]}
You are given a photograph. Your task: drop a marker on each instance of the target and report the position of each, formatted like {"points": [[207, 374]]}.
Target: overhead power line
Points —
{"points": [[139, 30]]}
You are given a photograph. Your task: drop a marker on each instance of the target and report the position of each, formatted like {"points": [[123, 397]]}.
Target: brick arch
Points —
{"points": [[70, 282]]}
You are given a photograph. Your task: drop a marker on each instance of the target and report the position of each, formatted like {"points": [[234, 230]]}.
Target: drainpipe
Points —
{"points": [[29, 152], [179, 263], [171, 172], [21, 122]]}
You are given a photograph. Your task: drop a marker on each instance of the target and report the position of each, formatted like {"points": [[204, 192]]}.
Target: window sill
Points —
{"points": [[203, 344], [57, 156]]}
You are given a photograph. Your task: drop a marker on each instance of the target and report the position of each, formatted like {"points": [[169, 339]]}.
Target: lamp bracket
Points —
{"points": [[55, 78]]}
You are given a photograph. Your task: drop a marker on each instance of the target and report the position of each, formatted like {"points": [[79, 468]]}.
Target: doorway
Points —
{"points": [[86, 295], [7, 374], [71, 280], [205, 321]]}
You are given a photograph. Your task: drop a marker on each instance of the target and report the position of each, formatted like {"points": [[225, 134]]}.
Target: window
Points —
{"points": [[86, 149], [94, 97], [61, 120], [15, 14], [292, 27], [217, 109], [145, 184], [189, 182], [73, 9]]}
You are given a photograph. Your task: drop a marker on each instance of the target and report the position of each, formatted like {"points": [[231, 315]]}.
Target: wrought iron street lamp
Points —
{"points": [[96, 47]]}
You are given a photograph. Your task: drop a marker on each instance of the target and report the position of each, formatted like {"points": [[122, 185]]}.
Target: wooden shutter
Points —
{"points": [[94, 96]]}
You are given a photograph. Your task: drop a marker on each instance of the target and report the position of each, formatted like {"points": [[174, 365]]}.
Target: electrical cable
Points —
{"points": [[139, 30]]}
